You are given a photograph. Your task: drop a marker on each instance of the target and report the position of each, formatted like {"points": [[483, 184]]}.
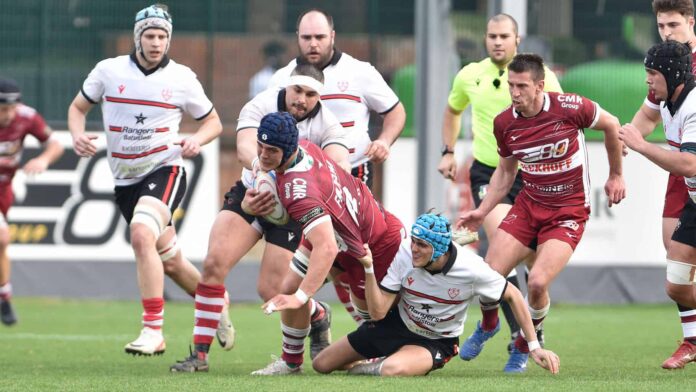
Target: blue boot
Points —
{"points": [[474, 344]]}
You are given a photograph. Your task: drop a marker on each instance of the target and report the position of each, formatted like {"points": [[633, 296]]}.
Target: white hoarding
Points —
{"points": [[627, 234], [68, 213]]}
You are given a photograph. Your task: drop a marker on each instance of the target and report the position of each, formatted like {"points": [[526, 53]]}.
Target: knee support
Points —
{"points": [[169, 251], [150, 217], [680, 273]]}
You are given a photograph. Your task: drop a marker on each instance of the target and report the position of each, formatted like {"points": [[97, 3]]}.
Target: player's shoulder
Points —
{"points": [[566, 102], [181, 69], [354, 65], [266, 98], [504, 116], [467, 263], [27, 112], [113, 62]]}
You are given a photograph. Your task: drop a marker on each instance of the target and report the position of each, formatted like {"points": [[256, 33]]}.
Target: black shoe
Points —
{"points": [[195, 362], [320, 333], [7, 315]]}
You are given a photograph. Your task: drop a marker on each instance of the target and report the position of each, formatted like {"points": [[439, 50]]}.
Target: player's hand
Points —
{"points": [[471, 220], [83, 145], [366, 260], [547, 359], [35, 166], [258, 203], [448, 166], [615, 189], [377, 151], [631, 137], [281, 302], [189, 147]]}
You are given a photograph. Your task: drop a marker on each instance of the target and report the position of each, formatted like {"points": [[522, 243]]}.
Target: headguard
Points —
{"points": [[279, 129], [435, 230], [673, 60], [9, 91], [152, 17]]}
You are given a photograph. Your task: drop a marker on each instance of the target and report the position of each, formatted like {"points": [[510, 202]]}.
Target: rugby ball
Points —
{"points": [[266, 182]]}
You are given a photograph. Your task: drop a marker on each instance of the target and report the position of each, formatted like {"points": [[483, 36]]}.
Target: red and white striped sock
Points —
{"points": [[344, 296], [293, 345], [209, 302], [688, 322], [153, 313], [6, 291]]}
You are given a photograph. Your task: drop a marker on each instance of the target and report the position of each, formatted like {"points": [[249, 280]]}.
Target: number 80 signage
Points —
{"points": [[69, 213]]}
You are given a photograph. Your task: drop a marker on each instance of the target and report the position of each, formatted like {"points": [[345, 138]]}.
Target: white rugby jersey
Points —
{"points": [[434, 305], [142, 111], [319, 126], [352, 88], [680, 130]]}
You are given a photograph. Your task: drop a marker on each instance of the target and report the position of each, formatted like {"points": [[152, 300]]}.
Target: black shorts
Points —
{"points": [[685, 232], [385, 337], [287, 236], [480, 176], [168, 184], [365, 173]]}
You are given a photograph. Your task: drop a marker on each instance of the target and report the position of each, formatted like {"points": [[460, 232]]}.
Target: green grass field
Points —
{"points": [[78, 345]]}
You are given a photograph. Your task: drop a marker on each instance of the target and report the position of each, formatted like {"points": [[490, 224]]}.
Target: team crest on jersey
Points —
{"points": [[121, 88], [453, 293], [410, 280], [571, 224], [342, 85], [167, 94]]}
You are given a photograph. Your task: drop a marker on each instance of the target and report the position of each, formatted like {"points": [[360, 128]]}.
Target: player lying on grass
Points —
{"points": [[421, 333]]}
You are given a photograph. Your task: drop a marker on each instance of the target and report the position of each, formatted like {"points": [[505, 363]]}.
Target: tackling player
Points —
{"points": [[421, 332], [239, 224]]}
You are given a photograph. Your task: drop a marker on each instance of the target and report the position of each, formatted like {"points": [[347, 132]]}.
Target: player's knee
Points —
{"points": [[149, 214], [320, 365], [536, 285], [4, 237], [141, 236], [266, 289]]}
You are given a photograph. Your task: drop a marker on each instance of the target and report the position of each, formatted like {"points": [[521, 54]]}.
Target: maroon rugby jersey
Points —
{"points": [[26, 121], [316, 189], [651, 94], [551, 148]]}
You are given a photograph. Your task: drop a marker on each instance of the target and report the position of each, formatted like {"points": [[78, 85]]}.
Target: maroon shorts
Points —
{"points": [[676, 197], [533, 224], [383, 250], [6, 198]]}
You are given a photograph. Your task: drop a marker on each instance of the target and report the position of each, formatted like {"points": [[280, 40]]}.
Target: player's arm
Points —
{"points": [[544, 358], [392, 126], [451, 124], [77, 117], [52, 150], [378, 301], [681, 163], [246, 147], [646, 119], [210, 128], [324, 251], [615, 188], [338, 153], [501, 182]]}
